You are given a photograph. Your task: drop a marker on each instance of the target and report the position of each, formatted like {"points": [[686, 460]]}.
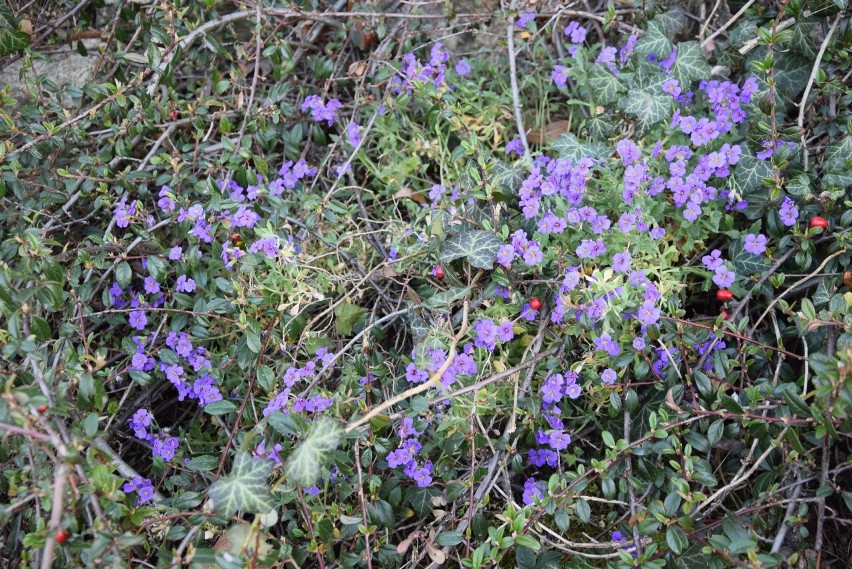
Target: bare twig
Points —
{"points": [[516, 96], [814, 72], [727, 24]]}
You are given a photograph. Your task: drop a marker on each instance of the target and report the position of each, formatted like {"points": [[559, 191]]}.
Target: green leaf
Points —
{"points": [[750, 173], [204, 463], [650, 107], [607, 87], [569, 146], [745, 263], [447, 297], [528, 541], [508, 177], [449, 538], [123, 272], [346, 316], [796, 403], [245, 488], [655, 41], [12, 39], [692, 558], [676, 539], [822, 294], [584, 512], [689, 64], [837, 166], [303, 466], [220, 407], [480, 248], [799, 186]]}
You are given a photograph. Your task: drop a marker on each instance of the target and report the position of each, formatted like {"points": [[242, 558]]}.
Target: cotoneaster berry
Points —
{"points": [[819, 221], [439, 272], [535, 303], [724, 295], [61, 536]]}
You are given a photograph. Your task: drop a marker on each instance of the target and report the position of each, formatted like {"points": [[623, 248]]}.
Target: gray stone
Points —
{"points": [[63, 66]]}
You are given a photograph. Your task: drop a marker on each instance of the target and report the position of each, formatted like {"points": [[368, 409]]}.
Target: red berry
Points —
{"points": [[61, 536], [724, 295], [725, 315], [172, 115], [535, 303], [41, 408], [818, 221], [439, 272]]}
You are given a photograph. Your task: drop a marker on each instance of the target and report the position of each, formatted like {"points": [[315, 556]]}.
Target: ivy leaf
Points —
{"points": [[508, 177], [745, 263], [689, 64], [822, 294], [837, 166], [606, 87], [655, 41], [799, 186], [647, 106], [692, 558], [750, 173], [447, 297], [673, 20], [245, 488], [12, 39], [480, 248], [791, 74], [801, 39], [569, 146], [303, 466]]}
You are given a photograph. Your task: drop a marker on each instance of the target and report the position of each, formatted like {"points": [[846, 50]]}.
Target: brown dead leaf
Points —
{"points": [[550, 133], [410, 194], [358, 68], [27, 27], [847, 278], [435, 554]]}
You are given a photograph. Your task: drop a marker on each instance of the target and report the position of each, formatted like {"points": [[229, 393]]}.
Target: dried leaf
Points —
{"points": [[435, 554], [550, 132], [410, 194]]}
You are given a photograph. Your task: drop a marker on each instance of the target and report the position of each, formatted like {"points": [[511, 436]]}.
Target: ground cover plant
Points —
{"points": [[423, 284]]}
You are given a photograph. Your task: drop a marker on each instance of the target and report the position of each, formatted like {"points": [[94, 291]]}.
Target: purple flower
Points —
{"points": [[151, 285], [559, 75], [415, 375], [755, 244], [185, 284], [672, 87], [533, 490], [639, 343], [516, 146], [605, 343], [628, 151], [321, 111], [788, 212], [609, 376], [137, 319], [175, 253], [713, 260], [607, 57], [505, 255], [621, 262], [559, 440], [724, 277], [524, 19], [353, 133], [505, 331], [576, 32], [462, 67], [648, 313]]}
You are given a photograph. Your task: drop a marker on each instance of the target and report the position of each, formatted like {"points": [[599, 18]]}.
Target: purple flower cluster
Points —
{"points": [[434, 70], [143, 488], [489, 334], [463, 364], [320, 110], [162, 445], [533, 490], [528, 250], [314, 404], [123, 211], [405, 455]]}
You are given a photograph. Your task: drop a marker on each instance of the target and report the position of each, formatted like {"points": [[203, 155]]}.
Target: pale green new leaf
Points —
{"points": [[689, 64], [480, 248], [245, 489], [303, 466]]}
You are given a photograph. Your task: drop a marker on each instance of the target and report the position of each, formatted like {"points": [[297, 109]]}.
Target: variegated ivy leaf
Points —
{"points": [[12, 39], [648, 106], [689, 64], [569, 146], [745, 263], [655, 42], [606, 86], [245, 489], [837, 167], [750, 174], [303, 466], [508, 177], [480, 248]]}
